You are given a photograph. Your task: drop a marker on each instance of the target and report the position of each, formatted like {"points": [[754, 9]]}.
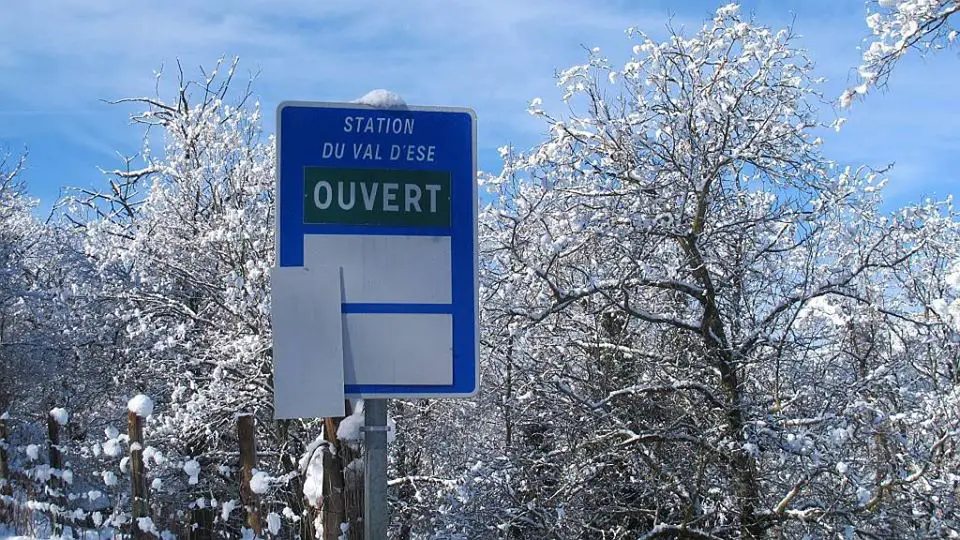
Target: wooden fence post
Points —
{"points": [[6, 482], [56, 458], [248, 462], [289, 464], [55, 486], [342, 489], [334, 504], [138, 484]]}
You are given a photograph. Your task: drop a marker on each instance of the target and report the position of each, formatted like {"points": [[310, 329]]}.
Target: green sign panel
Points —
{"points": [[376, 197]]}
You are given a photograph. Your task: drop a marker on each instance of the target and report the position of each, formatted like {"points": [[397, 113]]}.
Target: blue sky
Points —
{"points": [[60, 58]]}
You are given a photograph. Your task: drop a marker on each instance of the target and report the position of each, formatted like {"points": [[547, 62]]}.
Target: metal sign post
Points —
{"points": [[375, 515]]}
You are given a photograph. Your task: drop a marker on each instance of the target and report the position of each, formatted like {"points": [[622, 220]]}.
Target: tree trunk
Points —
{"points": [[715, 337], [507, 400]]}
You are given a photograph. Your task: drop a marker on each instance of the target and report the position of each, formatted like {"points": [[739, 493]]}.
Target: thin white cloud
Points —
{"points": [[494, 55]]}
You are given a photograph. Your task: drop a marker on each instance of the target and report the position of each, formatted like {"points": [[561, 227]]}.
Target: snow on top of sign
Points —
{"points": [[383, 99]]}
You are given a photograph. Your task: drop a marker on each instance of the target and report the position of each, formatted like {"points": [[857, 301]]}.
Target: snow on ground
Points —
{"points": [[8, 534]]}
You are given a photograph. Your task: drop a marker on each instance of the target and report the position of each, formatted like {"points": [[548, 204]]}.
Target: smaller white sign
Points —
{"points": [[307, 342]]}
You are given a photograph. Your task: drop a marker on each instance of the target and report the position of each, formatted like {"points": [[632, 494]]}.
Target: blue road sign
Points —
{"points": [[388, 196]]}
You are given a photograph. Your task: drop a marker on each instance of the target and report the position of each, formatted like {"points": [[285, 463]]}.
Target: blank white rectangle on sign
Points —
{"points": [[398, 348], [307, 342], [386, 268]]}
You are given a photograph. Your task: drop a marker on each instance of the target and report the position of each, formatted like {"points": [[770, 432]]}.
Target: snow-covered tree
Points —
{"points": [[898, 26], [40, 371], [33, 350], [704, 320], [694, 324], [182, 246], [17, 236]]}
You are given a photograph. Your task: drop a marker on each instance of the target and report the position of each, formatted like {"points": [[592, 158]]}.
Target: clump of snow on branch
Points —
{"points": [[260, 482], [109, 478], [111, 447], [192, 468], [145, 524], [898, 26], [311, 465], [227, 508], [273, 523], [947, 307]]}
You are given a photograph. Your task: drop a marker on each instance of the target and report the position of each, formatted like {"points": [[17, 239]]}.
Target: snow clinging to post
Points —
{"points": [[140, 405], [351, 428], [60, 415]]}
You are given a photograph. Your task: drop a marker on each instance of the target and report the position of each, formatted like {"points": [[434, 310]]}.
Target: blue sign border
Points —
{"points": [[302, 127]]}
